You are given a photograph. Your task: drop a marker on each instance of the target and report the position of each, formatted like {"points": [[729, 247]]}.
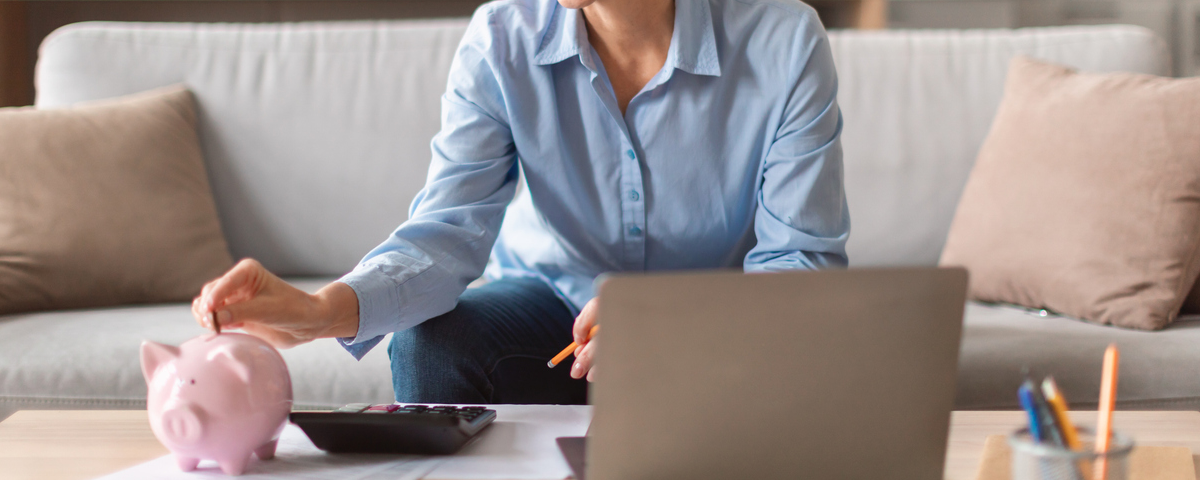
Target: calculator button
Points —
{"points": [[353, 408]]}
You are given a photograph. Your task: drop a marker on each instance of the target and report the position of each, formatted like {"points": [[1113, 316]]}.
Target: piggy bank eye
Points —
{"points": [[193, 381]]}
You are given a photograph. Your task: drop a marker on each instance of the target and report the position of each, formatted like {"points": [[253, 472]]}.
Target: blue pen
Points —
{"points": [[1025, 396], [1043, 429]]}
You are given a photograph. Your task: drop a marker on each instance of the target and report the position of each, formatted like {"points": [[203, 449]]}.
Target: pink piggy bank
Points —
{"points": [[218, 397]]}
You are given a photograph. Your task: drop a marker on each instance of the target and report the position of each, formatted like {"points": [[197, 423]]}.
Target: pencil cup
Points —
{"points": [[1032, 460]]}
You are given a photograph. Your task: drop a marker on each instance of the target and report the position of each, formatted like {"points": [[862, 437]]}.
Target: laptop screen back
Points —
{"points": [[830, 374]]}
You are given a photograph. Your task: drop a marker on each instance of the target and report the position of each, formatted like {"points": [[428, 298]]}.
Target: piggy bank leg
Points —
{"points": [[187, 464], [267, 450], [234, 466]]}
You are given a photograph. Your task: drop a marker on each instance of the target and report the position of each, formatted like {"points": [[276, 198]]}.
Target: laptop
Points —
{"points": [[837, 374]]}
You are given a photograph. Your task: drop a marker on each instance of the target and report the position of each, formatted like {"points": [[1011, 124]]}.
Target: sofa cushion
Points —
{"points": [[105, 204], [1085, 198], [1157, 368], [88, 359]]}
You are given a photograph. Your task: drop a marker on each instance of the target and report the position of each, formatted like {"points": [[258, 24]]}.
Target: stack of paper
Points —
{"points": [[519, 445]]}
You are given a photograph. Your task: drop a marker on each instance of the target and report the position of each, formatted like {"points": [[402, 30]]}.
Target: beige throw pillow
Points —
{"points": [[1085, 197], [105, 204]]}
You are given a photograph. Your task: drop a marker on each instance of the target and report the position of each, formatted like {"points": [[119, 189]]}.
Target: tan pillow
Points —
{"points": [[105, 204], [1085, 198]]}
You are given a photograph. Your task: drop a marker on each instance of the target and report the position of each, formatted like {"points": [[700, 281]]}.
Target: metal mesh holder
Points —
{"points": [[1033, 460]]}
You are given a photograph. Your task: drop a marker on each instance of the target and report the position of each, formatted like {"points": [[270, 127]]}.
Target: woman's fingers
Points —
{"points": [[207, 288], [198, 304], [583, 361], [238, 284], [252, 299], [583, 353], [584, 322], [197, 313]]}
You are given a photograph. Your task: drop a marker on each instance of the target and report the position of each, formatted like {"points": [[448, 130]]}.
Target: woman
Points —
{"points": [[652, 134]]}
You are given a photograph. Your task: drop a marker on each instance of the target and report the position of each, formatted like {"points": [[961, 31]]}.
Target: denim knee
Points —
{"points": [[439, 361]]}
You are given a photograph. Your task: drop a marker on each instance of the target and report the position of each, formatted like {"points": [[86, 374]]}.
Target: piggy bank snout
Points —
{"points": [[183, 424]]}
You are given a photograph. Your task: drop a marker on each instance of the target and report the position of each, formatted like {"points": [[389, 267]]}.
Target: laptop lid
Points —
{"points": [[827, 374]]}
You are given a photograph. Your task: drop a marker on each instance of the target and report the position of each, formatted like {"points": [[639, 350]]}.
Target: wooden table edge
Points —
{"points": [[78, 444]]}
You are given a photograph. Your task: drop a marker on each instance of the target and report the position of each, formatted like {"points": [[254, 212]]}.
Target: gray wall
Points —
{"points": [[1176, 21]]}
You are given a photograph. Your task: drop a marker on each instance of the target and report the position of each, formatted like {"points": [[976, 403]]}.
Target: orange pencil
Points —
{"points": [[570, 348], [1058, 405], [1108, 401]]}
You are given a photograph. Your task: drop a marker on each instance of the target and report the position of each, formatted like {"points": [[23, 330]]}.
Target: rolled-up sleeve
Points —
{"points": [[421, 269], [802, 219]]}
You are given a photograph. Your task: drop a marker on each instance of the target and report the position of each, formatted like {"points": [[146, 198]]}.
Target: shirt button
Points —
{"points": [[635, 231], [633, 195], [632, 156]]}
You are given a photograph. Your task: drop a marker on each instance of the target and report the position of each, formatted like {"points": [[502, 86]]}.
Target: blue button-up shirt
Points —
{"points": [[729, 156]]}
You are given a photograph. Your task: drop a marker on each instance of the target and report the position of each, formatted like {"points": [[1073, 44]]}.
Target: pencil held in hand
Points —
{"points": [[570, 348]]}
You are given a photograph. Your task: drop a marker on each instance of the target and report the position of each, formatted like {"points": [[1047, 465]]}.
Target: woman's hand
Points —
{"points": [[586, 350], [250, 298]]}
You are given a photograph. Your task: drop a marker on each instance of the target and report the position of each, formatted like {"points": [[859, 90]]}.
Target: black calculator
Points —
{"points": [[366, 428]]}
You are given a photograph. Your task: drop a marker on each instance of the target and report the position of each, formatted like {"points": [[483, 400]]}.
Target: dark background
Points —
{"points": [[23, 25]]}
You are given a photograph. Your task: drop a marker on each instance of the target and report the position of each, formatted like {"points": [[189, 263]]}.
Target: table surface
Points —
{"points": [[50, 445]]}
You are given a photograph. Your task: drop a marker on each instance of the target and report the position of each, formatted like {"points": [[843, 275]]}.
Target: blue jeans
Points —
{"points": [[492, 348]]}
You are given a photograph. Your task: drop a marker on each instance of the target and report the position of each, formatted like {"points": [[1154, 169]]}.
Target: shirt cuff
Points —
{"points": [[358, 350], [378, 308]]}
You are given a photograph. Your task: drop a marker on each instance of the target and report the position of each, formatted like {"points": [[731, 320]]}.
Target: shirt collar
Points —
{"points": [[693, 44]]}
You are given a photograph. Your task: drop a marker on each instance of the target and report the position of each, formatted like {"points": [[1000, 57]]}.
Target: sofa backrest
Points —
{"points": [[317, 135]]}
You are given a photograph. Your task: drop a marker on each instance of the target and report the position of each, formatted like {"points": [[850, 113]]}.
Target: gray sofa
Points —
{"points": [[316, 138]]}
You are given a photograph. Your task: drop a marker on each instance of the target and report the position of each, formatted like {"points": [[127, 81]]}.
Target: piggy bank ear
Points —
{"points": [[228, 359], [155, 354]]}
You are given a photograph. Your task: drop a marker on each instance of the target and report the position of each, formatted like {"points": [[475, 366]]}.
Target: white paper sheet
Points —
{"points": [[519, 445]]}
